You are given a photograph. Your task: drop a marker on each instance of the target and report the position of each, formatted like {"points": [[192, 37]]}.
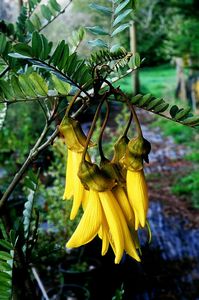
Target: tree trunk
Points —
{"points": [[20, 4], [133, 46], [181, 81]]}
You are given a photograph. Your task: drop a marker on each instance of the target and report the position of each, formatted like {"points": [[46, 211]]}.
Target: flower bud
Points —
{"points": [[74, 137], [120, 149], [131, 161], [114, 171], [139, 146], [92, 177]]}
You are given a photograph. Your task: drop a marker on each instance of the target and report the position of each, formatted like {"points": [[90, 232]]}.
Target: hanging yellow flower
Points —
{"points": [[89, 224], [75, 139], [103, 216], [138, 196]]}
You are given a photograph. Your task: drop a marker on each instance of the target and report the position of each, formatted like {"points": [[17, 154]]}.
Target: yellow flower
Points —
{"points": [[89, 224], [73, 185], [138, 196], [120, 235], [107, 212], [123, 201]]}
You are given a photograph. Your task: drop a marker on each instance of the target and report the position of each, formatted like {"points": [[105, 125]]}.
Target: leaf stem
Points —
{"points": [[93, 126], [102, 131]]}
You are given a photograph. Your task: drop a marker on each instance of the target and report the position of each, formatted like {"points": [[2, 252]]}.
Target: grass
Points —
{"points": [[160, 81]]}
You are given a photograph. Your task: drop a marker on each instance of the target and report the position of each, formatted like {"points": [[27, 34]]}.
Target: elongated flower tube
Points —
{"points": [[120, 233], [75, 140], [138, 196], [89, 224], [123, 202]]}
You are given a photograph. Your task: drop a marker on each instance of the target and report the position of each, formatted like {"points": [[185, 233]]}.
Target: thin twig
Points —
{"points": [[61, 12], [40, 284], [32, 155]]}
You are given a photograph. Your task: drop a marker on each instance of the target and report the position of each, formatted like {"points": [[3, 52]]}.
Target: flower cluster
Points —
{"points": [[113, 195]]}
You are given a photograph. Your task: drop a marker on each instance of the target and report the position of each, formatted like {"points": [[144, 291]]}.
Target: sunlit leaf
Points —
{"points": [[102, 9], [97, 30], [120, 29], [46, 12], [121, 17], [61, 86], [121, 6], [98, 43]]}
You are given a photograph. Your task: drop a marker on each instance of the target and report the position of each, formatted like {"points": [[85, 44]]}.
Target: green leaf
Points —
{"points": [[46, 47], [160, 108], [182, 114], [64, 57], [5, 255], [39, 84], [13, 238], [136, 99], [5, 88], [121, 6], [46, 12], [5, 277], [121, 17], [23, 49], [56, 6], [97, 30], [62, 87], [193, 121], [26, 86], [4, 266], [120, 29], [36, 44], [145, 99], [3, 230], [154, 103], [115, 48], [71, 63], [5, 244], [3, 110], [16, 88], [28, 208], [98, 43], [3, 43], [6, 287], [55, 58], [173, 111], [36, 21], [137, 60], [102, 9], [29, 184], [31, 28]]}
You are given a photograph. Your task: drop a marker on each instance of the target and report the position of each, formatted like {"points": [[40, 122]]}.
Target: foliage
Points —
{"points": [[7, 243], [188, 187], [54, 78]]}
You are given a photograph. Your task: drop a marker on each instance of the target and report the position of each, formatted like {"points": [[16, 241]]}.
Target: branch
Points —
{"points": [[32, 155], [61, 12]]}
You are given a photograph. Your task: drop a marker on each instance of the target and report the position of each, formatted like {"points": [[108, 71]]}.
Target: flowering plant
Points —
{"points": [[113, 193]]}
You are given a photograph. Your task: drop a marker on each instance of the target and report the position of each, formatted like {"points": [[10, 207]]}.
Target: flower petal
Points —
{"points": [[78, 188], [129, 244], [89, 224], [138, 196], [123, 201], [69, 185], [108, 203]]}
